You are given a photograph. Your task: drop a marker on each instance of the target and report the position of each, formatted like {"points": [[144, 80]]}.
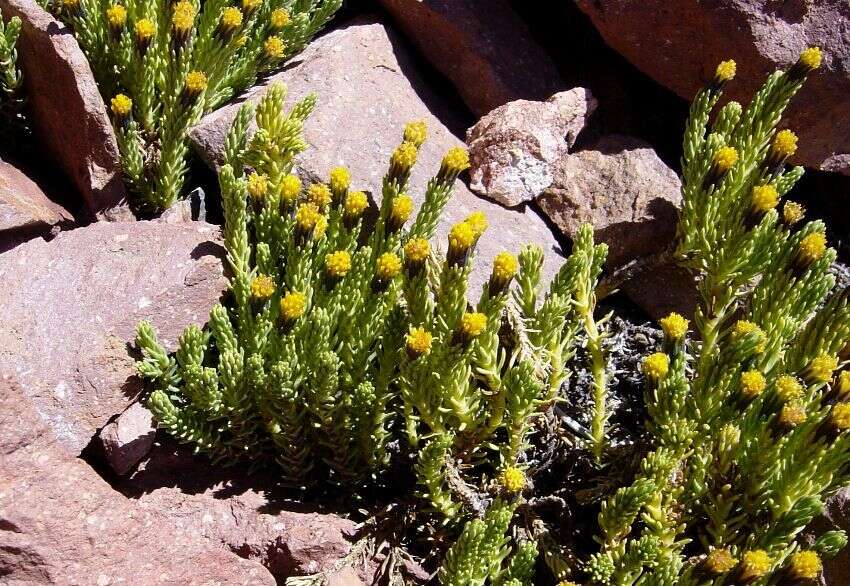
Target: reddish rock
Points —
{"points": [[24, 208], [65, 106], [621, 187], [513, 149], [363, 77], [71, 307], [660, 37], [60, 523], [662, 289], [482, 46], [128, 438]]}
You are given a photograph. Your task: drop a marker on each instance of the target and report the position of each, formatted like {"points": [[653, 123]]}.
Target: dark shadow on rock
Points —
{"points": [[209, 248]]}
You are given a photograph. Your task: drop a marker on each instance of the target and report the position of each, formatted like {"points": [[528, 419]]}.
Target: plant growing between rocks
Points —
{"points": [[162, 65], [11, 80]]}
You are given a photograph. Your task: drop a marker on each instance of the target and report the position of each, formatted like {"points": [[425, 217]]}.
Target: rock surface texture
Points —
{"points": [[367, 93], [24, 208], [659, 36], [66, 108], [514, 149], [482, 46], [66, 325], [129, 438]]}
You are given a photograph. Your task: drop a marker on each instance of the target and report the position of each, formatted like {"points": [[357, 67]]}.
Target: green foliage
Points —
{"points": [[161, 65], [11, 80]]}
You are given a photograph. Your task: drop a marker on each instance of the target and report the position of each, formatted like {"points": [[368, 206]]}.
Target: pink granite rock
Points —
{"points": [[24, 208]]}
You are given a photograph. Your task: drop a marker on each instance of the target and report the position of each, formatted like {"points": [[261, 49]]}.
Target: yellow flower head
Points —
{"points": [[319, 195], [389, 265], [512, 479], [231, 19], [792, 212], [821, 368], [279, 18], [116, 16], [196, 82], [461, 237], [274, 47], [307, 216], [321, 227], [755, 564], [417, 250], [752, 384], [292, 305], [792, 415], [805, 565], [566, 583], [505, 267], [720, 561], [784, 145], [402, 207], [810, 58], [404, 156], [456, 160], [472, 324], [675, 326], [788, 388], [340, 179], [415, 133], [478, 222], [744, 327], [250, 6], [355, 204], [70, 4], [121, 105], [145, 30], [656, 366], [290, 187], [418, 342], [842, 385], [811, 248], [258, 186], [262, 287], [183, 16], [764, 198], [338, 263], [725, 158], [725, 71], [840, 416]]}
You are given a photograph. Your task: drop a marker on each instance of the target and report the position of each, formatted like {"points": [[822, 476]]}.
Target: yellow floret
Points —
{"points": [[720, 561], [121, 105], [456, 160], [290, 187], [116, 16], [725, 158], [512, 479], [788, 388], [656, 366], [418, 341], [258, 186], [340, 179], [675, 326], [842, 385], [744, 327], [319, 195], [306, 216], [389, 265], [183, 16], [805, 565], [505, 266], [70, 4], [821, 368], [752, 384], [784, 144], [404, 156], [478, 222], [792, 415], [840, 416], [764, 198], [274, 47], [292, 305], [338, 263], [755, 564], [231, 18], [725, 71], [321, 227], [812, 247], [402, 207], [792, 212], [356, 203], [279, 18], [417, 250], [262, 287], [461, 237], [196, 82], [472, 324], [145, 30], [415, 132], [250, 6], [811, 58]]}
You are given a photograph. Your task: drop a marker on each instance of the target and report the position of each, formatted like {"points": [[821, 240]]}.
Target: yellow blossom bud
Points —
{"points": [[839, 417], [461, 238], [231, 19], [675, 326], [752, 384], [340, 181], [805, 565], [792, 212], [262, 287], [337, 264], [725, 71], [321, 227], [656, 366], [809, 60], [783, 146], [744, 327], [512, 479], [145, 31], [70, 5], [754, 564], [505, 267], [400, 211], [121, 105], [319, 195], [841, 387], [472, 324], [724, 159], [258, 186], [415, 133], [791, 415], [764, 198], [273, 48], [292, 305], [290, 187], [478, 222], [182, 18], [455, 161], [402, 159], [196, 82], [719, 562], [418, 342], [417, 250], [279, 18], [811, 248], [306, 217], [388, 266], [249, 6], [355, 204], [821, 368], [116, 17], [788, 388]]}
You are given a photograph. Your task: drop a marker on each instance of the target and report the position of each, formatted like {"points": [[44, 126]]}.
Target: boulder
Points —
{"points": [[482, 46], [624, 189], [60, 523], [24, 208], [513, 149], [368, 89], [66, 109], [659, 36], [71, 306], [129, 438]]}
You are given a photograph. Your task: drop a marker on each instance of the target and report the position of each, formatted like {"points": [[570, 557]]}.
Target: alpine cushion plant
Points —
{"points": [[161, 65], [11, 80]]}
